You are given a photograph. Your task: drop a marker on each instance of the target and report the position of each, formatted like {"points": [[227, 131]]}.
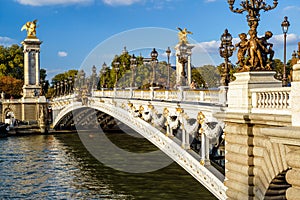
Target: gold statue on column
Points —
{"points": [[30, 27], [182, 35]]}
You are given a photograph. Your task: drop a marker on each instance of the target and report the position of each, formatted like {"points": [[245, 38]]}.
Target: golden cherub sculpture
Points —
{"points": [[182, 35], [30, 27]]}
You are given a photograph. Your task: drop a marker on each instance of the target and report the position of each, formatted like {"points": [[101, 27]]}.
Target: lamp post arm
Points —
{"points": [[267, 8], [236, 10]]}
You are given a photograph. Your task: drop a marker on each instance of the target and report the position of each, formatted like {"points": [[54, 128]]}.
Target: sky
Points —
{"points": [[77, 34]]}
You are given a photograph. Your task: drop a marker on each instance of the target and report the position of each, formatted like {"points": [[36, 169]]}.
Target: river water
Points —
{"points": [[59, 167]]}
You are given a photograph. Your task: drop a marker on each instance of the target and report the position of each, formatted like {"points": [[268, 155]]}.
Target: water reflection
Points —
{"points": [[59, 167]]}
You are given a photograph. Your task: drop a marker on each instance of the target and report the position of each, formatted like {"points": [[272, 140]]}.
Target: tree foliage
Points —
{"points": [[63, 76], [197, 77], [210, 75], [12, 61], [142, 73], [11, 87]]}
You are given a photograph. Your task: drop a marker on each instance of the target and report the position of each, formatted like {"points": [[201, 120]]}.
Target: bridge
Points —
{"points": [[240, 142]]}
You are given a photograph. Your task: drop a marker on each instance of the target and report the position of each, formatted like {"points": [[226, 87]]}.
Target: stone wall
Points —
{"points": [[252, 159]]}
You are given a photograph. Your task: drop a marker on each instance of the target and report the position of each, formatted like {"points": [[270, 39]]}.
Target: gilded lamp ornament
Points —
{"points": [[255, 54], [226, 51], [30, 27]]}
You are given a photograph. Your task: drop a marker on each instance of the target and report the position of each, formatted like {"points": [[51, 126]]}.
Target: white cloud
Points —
{"points": [[288, 8], [209, 47], [52, 2], [6, 41], [209, 1], [290, 39], [120, 2], [277, 40], [62, 54]]}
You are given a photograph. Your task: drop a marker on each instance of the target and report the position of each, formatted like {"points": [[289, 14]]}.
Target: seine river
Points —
{"points": [[59, 167]]}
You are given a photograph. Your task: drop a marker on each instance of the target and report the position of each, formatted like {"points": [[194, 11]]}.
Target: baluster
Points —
{"points": [[258, 96], [288, 100], [285, 100], [262, 100], [273, 99], [269, 99]]}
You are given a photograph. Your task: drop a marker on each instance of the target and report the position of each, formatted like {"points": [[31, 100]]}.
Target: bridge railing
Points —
{"points": [[271, 100], [208, 96]]}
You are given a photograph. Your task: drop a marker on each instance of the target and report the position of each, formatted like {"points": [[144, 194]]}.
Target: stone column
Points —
{"points": [[31, 51], [37, 67], [188, 65], [293, 175], [293, 157], [295, 95]]}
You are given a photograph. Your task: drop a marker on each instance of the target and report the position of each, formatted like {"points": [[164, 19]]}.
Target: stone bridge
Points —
{"points": [[258, 119]]}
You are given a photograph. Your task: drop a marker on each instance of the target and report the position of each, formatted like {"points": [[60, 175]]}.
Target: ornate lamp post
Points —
{"points": [[103, 73], [226, 51], [285, 27], [94, 80], [154, 56], [58, 89], [71, 85], [55, 90], [62, 88], [168, 52], [66, 87], [183, 59], [133, 67], [116, 67], [257, 60]]}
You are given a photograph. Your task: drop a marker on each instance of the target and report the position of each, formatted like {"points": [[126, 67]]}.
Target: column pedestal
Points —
{"points": [[239, 99]]}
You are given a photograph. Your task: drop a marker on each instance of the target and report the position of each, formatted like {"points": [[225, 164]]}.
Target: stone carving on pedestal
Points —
{"points": [[255, 54]]}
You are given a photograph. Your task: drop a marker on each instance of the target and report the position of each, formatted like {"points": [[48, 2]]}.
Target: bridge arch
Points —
{"points": [[178, 154]]}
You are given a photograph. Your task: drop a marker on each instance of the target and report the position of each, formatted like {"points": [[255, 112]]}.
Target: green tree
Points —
{"points": [[12, 61], [197, 78], [12, 87], [63, 76], [210, 74]]}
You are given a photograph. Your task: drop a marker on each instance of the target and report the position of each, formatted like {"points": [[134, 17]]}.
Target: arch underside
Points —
{"points": [[85, 119]]}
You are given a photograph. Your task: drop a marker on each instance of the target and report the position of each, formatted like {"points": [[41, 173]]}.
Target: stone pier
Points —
{"points": [[261, 148]]}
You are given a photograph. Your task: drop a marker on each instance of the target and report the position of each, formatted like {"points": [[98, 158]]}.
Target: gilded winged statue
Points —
{"points": [[182, 35], [30, 27]]}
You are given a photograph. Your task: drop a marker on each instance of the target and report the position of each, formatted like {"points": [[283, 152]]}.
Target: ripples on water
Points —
{"points": [[59, 167]]}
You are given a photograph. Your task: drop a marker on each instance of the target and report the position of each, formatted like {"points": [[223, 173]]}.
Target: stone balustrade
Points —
{"points": [[210, 96], [271, 100]]}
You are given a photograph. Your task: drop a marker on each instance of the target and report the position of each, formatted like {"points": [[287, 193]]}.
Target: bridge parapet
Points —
{"points": [[271, 100], [205, 96]]}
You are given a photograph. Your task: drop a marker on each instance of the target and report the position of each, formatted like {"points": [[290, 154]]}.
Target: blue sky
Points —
{"points": [[80, 33]]}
